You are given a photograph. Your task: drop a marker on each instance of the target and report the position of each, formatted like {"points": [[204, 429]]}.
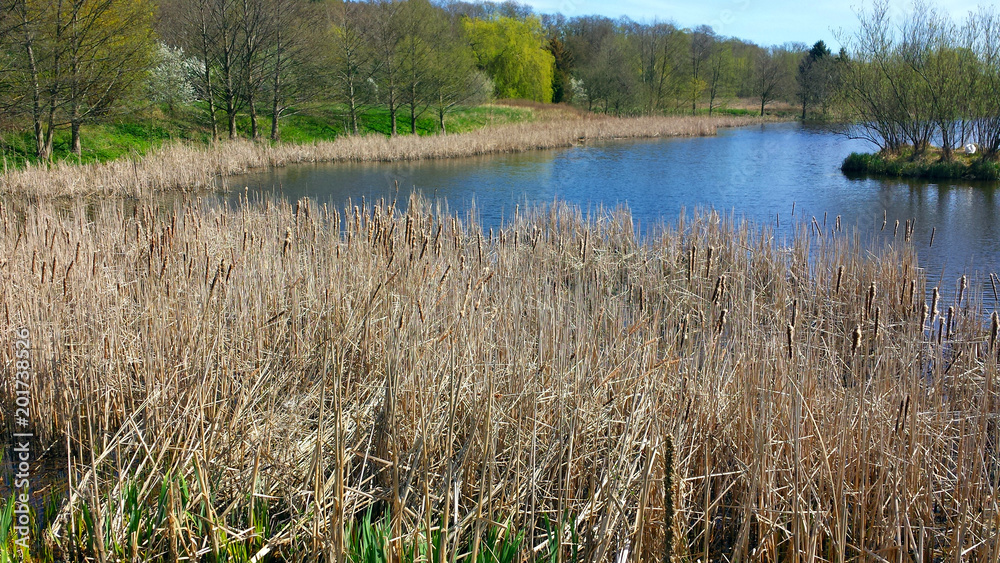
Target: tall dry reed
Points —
{"points": [[802, 400], [187, 167]]}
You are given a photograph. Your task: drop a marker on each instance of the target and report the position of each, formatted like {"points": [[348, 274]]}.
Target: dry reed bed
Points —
{"points": [[186, 167], [329, 361]]}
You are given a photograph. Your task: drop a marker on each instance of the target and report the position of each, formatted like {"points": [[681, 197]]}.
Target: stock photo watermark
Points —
{"points": [[22, 436]]}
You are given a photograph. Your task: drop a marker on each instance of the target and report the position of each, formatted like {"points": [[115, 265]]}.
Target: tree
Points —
{"points": [[769, 75], [815, 76], [225, 29], [352, 57], [659, 47], [256, 29], [982, 36], [513, 52], [700, 47], [80, 59], [292, 69], [188, 25], [561, 72], [455, 80], [423, 28], [720, 69], [387, 38], [611, 82]]}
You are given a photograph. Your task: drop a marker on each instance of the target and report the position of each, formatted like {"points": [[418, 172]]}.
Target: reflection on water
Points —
{"points": [[755, 172]]}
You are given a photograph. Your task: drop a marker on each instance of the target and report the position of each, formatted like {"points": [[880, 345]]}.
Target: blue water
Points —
{"points": [[755, 172]]}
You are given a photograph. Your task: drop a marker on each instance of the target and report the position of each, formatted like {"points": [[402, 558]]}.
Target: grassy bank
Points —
{"points": [[150, 130], [702, 392], [185, 166], [928, 166]]}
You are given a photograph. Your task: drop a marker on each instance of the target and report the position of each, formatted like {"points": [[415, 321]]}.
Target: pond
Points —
{"points": [[763, 173]]}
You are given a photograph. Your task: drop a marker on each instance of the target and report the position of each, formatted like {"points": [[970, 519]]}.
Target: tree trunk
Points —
{"points": [[392, 117], [231, 112], [275, 111], [254, 130], [74, 127], [803, 109], [50, 130], [762, 102], [352, 104], [206, 60], [36, 100]]}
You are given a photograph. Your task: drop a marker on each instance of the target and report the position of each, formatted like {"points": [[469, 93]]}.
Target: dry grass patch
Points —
{"points": [[186, 167], [313, 363]]}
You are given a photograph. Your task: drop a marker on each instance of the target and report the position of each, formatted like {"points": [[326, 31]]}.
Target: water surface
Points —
{"points": [[754, 172]]}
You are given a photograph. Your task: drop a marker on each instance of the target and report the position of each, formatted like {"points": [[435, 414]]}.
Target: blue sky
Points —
{"points": [[766, 22]]}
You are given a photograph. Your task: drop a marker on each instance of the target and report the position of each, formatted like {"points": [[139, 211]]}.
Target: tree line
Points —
{"points": [[924, 81], [243, 65]]}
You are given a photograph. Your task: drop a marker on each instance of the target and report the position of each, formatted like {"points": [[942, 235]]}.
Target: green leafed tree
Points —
{"points": [[514, 52]]}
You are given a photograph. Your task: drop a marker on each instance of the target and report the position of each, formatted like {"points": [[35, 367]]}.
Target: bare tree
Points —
{"points": [[353, 58], [292, 66], [769, 75], [387, 38]]}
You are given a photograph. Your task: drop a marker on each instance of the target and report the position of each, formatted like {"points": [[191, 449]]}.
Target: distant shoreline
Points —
{"points": [[928, 167], [185, 167]]}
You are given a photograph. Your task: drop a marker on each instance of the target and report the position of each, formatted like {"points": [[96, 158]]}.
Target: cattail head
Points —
{"points": [[870, 299], [288, 241], [790, 333], [856, 340], [722, 320], [994, 329], [720, 286]]}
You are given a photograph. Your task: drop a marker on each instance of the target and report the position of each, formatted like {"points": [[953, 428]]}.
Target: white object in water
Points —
{"points": [[970, 148]]}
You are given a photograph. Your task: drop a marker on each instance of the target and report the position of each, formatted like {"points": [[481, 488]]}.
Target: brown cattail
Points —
{"points": [[722, 320], [923, 315], [895, 229], [795, 311], [856, 341], [963, 284], [878, 313], [933, 231], [951, 318], [994, 328], [840, 276], [691, 257], [720, 286], [288, 241], [790, 333], [934, 304], [885, 217], [870, 300], [708, 264]]}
